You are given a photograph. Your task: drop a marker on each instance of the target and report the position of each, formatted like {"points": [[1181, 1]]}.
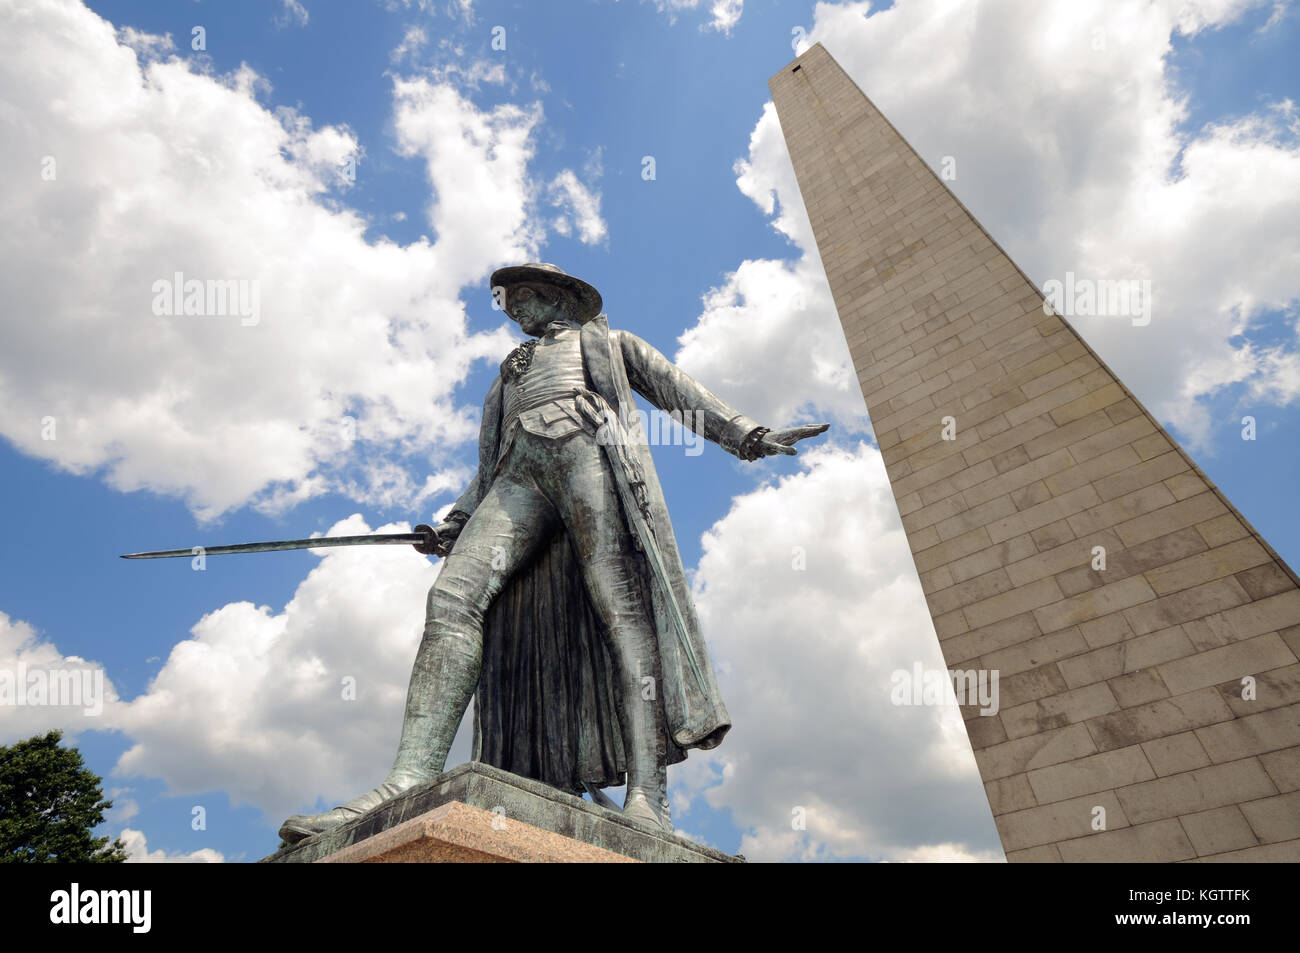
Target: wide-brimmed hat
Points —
{"points": [[589, 303]]}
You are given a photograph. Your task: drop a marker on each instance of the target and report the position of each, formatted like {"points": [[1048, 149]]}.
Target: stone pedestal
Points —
{"points": [[479, 814]]}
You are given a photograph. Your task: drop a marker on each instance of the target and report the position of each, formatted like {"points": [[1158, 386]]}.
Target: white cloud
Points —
{"points": [[726, 13], [775, 322], [147, 45], [476, 164], [388, 484], [292, 14], [467, 76], [579, 206], [1280, 10], [138, 852], [394, 6], [412, 42], [949, 854], [805, 672], [123, 809], [455, 9], [159, 169]]}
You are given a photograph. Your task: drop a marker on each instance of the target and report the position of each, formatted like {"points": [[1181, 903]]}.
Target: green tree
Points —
{"points": [[49, 803]]}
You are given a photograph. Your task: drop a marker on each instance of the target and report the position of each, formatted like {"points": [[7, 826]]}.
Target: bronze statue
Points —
{"points": [[562, 604]]}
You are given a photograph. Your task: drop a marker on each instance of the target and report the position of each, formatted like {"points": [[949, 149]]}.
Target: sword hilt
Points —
{"points": [[433, 544]]}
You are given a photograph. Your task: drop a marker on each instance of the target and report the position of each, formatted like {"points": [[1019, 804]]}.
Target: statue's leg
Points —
{"points": [[513, 519], [492, 546], [586, 497]]}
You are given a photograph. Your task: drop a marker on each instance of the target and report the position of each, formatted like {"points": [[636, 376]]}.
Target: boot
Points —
{"points": [[647, 803], [443, 680], [645, 742]]}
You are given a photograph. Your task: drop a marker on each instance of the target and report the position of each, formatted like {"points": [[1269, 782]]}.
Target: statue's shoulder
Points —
{"points": [[619, 338], [598, 327]]}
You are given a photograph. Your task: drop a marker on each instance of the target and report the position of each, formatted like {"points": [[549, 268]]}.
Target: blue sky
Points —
{"points": [[376, 310]]}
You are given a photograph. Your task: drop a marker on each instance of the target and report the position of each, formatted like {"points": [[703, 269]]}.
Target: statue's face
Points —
{"points": [[535, 305]]}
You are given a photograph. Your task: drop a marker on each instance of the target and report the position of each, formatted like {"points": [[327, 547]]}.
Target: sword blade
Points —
{"points": [[376, 539]]}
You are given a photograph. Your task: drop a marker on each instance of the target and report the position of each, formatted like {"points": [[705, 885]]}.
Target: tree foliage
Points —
{"points": [[49, 804]]}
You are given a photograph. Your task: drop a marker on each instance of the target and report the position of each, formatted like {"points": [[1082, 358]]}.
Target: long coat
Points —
{"points": [[545, 705]]}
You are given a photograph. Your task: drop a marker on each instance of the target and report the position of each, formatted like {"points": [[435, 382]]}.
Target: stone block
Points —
{"points": [[1274, 819], [1194, 791], [1099, 772], [1219, 830], [1141, 843]]}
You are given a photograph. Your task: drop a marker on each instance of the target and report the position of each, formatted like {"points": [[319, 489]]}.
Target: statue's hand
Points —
{"points": [[444, 535], [781, 441]]}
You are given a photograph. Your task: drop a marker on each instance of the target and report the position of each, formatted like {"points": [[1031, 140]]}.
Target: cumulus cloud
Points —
{"points": [[1069, 139], [120, 172], [476, 163], [806, 674], [775, 321], [138, 852]]}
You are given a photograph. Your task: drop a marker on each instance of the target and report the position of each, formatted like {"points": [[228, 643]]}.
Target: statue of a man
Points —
{"points": [[563, 602]]}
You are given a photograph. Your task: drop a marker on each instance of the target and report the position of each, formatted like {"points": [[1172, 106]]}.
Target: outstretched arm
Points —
{"points": [[675, 392]]}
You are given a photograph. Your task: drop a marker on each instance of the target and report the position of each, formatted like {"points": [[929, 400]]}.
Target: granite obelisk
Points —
{"points": [[1160, 693]]}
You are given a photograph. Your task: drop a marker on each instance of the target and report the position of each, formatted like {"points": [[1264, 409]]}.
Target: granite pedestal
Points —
{"points": [[477, 813]]}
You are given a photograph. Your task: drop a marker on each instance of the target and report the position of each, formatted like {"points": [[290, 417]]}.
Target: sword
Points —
{"points": [[621, 464], [424, 538]]}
